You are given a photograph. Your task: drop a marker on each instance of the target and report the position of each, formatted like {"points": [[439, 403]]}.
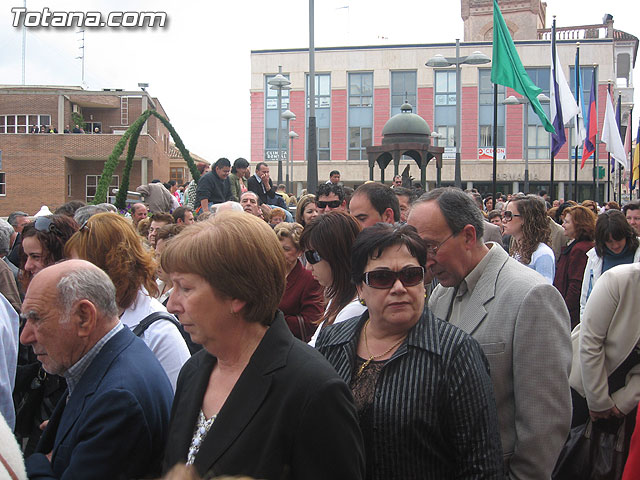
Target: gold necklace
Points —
{"points": [[371, 356]]}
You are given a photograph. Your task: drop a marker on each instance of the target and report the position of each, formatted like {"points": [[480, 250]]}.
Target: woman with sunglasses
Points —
{"points": [[36, 392], [327, 242], [525, 219], [421, 386], [616, 244]]}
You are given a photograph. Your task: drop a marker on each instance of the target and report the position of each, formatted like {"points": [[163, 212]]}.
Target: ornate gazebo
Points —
{"points": [[404, 134]]}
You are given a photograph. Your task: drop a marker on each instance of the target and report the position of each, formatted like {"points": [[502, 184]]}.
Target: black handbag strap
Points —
{"points": [[618, 377], [154, 317]]}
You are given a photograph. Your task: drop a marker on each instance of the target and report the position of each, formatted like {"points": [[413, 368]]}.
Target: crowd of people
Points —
{"points": [[377, 333]]}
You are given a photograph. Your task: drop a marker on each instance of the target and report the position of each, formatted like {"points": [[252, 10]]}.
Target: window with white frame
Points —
{"points": [[537, 137], [485, 111], [3, 184], [360, 114], [445, 107], [271, 115], [403, 88], [323, 113], [92, 185]]}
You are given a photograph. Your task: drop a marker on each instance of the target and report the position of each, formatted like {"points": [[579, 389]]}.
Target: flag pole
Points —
{"points": [[620, 166], [495, 142], [629, 126], [578, 93], [553, 66]]}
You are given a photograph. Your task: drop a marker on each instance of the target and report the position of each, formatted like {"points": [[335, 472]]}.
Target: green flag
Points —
{"points": [[507, 69]]}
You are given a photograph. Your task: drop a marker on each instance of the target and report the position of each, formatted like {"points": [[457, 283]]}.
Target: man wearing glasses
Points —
{"points": [[520, 321], [330, 197]]}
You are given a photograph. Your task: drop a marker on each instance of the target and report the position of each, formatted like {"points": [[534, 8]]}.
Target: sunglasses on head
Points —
{"points": [[331, 204], [45, 224], [312, 257], [408, 276]]}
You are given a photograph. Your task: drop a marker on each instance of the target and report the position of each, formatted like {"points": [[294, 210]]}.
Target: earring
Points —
{"points": [[362, 302]]}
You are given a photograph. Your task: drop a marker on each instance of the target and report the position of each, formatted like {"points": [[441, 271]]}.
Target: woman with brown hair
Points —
{"points": [[254, 401], [109, 241], [306, 210], [327, 242], [303, 302], [616, 244], [526, 221], [579, 225]]}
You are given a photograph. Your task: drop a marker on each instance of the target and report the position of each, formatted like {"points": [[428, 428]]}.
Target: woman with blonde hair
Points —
{"points": [[109, 241], [306, 210], [303, 301], [526, 221]]}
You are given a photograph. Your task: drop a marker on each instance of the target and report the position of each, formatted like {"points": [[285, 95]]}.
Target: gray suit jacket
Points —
{"points": [[492, 233], [522, 324]]}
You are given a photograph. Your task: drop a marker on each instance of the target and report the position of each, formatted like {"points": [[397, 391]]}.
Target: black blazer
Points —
{"points": [[289, 416], [256, 187]]}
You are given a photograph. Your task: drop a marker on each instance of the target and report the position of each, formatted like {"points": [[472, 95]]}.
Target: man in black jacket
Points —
{"points": [[261, 184], [214, 187]]}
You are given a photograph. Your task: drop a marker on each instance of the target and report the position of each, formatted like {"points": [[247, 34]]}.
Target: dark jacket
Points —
{"points": [[434, 415], [253, 185], [213, 188], [289, 415], [114, 424], [302, 303], [569, 275]]}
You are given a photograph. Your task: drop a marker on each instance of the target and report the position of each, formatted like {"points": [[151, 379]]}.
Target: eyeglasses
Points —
{"points": [[507, 215], [45, 224], [331, 204], [432, 250], [312, 256], [383, 279]]}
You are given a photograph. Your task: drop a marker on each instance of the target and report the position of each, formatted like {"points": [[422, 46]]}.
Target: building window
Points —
{"points": [[3, 184], [485, 114], [68, 185], [403, 88], [177, 174], [271, 117], [445, 107], [360, 114], [90, 127], [323, 114], [23, 123], [92, 185], [538, 139], [586, 78]]}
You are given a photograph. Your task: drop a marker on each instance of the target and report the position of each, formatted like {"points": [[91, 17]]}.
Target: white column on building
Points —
{"points": [[469, 185], [516, 186], [561, 190], [60, 114], [145, 106], [144, 175]]}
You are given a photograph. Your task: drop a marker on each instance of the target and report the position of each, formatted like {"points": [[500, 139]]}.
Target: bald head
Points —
{"points": [[138, 212], [68, 307]]}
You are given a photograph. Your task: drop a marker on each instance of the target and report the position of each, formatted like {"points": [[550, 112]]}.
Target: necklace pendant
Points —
{"points": [[364, 365]]}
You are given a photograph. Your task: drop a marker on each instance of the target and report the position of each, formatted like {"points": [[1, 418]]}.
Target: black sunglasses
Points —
{"points": [[45, 224], [508, 215], [331, 204], [312, 256], [409, 276]]}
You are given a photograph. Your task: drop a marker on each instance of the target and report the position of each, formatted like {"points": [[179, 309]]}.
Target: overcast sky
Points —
{"points": [[198, 65]]}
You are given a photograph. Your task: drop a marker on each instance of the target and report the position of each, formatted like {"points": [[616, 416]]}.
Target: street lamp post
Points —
{"points": [[440, 61], [292, 136], [288, 115], [278, 83], [436, 136], [512, 100]]}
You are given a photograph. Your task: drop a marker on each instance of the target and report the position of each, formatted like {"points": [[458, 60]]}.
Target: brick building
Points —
{"points": [[50, 169], [359, 88]]}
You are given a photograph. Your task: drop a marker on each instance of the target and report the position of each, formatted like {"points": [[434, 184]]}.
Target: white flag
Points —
{"points": [[611, 135], [567, 101]]}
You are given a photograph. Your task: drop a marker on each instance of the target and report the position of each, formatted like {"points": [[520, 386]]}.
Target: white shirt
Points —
{"points": [[9, 325], [353, 309], [162, 337]]}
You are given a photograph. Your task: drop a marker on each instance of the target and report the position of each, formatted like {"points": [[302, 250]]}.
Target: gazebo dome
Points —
{"points": [[406, 127]]}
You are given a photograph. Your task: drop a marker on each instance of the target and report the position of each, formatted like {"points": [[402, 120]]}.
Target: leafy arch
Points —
{"points": [[131, 135]]}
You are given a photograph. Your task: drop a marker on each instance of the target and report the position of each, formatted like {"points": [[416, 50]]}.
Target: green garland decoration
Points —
{"points": [[132, 134]]}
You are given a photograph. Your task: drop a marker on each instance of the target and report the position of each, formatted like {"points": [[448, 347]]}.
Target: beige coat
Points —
{"points": [[609, 331]]}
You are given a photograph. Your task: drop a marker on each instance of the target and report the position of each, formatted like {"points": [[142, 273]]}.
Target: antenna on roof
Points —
{"points": [[24, 45], [81, 48]]}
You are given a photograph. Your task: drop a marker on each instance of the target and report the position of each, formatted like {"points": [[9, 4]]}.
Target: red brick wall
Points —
{"points": [[469, 133], [257, 127], [425, 105], [31, 105], [381, 112], [513, 130], [297, 106], [339, 124]]}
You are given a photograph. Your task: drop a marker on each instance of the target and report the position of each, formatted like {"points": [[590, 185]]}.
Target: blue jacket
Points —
{"points": [[114, 425]]}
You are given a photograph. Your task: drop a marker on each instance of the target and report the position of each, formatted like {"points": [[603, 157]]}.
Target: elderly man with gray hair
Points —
{"points": [[112, 421], [520, 321]]}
